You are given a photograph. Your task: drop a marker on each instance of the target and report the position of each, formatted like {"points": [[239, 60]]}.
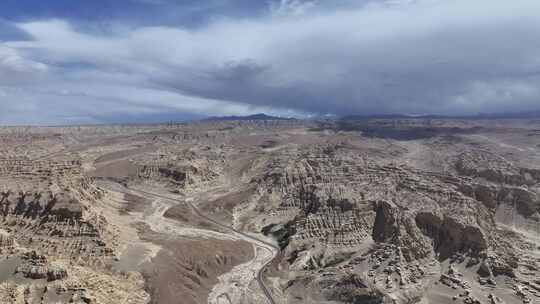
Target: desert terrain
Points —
{"points": [[427, 211]]}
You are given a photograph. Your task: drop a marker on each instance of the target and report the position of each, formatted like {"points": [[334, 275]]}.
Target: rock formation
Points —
{"points": [[384, 211]]}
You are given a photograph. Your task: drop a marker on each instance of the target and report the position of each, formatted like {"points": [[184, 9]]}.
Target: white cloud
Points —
{"points": [[291, 7], [421, 56], [15, 69]]}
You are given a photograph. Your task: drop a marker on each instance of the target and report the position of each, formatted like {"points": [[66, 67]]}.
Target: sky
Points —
{"points": [[105, 61]]}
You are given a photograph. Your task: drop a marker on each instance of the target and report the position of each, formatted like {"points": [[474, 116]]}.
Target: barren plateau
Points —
{"points": [[272, 211]]}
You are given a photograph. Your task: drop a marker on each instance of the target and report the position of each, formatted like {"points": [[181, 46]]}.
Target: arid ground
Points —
{"points": [[272, 211]]}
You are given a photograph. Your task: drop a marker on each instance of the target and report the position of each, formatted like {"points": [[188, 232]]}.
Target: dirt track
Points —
{"points": [[234, 285], [237, 281]]}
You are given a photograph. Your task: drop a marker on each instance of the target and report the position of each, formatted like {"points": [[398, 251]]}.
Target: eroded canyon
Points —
{"points": [[272, 211]]}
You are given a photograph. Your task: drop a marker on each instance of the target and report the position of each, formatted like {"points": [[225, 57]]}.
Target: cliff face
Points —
{"points": [[353, 230], [55, 219], [53, 243]]}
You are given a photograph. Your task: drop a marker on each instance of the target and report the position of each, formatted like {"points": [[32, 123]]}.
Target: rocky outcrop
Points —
{"points": [[6, 240], [328, 207], [176, 177], [494, 168], [37, 272], [36, 267], [53, 222], [449, 236]]}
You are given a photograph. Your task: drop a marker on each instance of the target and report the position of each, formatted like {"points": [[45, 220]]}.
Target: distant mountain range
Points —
{"points": [[260, 116], [515, 115]]}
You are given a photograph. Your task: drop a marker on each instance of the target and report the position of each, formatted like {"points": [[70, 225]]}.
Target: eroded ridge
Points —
{"points": [[383, 211]]}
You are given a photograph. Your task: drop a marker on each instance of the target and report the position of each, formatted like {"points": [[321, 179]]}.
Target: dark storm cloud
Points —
{"points": [[300, 57], [442, 57]]}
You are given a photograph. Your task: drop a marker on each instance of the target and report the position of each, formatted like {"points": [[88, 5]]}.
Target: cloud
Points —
{"points": [[291, 7], [18, 70], [424, 56]]}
